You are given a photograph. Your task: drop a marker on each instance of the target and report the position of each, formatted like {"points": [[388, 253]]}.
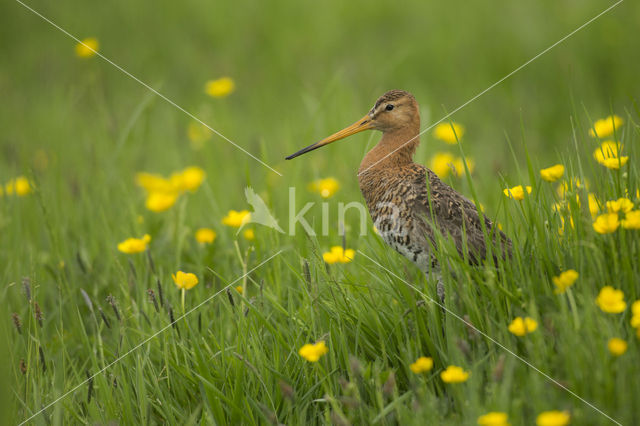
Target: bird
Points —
{"points": [[408, 203]]}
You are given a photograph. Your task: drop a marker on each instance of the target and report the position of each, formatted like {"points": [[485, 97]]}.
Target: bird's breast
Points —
{"points": [[397, 223]]}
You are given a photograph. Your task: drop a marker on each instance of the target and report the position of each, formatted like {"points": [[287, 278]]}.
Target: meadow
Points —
{"points": [[101, 330]]}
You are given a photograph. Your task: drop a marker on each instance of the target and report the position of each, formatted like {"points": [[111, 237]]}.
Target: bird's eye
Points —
{"points": [[389, 107]]}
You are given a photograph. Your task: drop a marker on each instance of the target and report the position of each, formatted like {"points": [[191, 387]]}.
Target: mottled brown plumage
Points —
{"points": [[408, 203]]}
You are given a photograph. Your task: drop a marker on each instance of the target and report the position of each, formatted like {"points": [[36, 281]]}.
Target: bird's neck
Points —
{"points": [[395, 149]]}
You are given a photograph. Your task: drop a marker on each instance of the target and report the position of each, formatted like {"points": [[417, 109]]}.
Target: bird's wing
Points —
{"points": [[455, 216]]}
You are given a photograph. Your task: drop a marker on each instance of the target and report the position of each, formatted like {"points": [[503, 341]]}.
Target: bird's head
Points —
{"points": [[392, 111]]}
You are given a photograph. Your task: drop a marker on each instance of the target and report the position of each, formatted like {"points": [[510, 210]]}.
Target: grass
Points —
{"points": [[81, 130]]}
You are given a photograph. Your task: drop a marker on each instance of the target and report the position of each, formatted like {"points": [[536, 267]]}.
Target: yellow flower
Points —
{"points": [[154, 183], [608, 154], [162, 193], [631, 220], [325, 187], [565, 280], [553, 173], [338, 255], [606, 223], [517, 192], [594, 207], [553, 418], [494, 418], [185, 280], [220, 88], [454, 374], [458, 166], [188, 179], [19, 186], [571, 185], [440, 163], [421, 365], [605, 126], [620, 205], [611, 300], [444, 132], [160, 201], [239, 289], [635, 317], [313, 352], [134, 245], [87, 47], [236, 219], [198, 134], [561, 230], [617, 346], [521, 326], [205, 235], [249, 235]]}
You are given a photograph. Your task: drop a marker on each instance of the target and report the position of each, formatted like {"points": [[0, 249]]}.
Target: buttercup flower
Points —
{"points": [[151, 182], [522, 326], [134, 245], [454, 374], [608, 154], [606, 223], [594, 206], [611, 300], [553, 173], [249, 235], [494, 418], [205, 235], [160, 201], [444, 132], [553, 418], [571, 185], [440, 164], [517, 192], [19, 186], [635, 316], [605, 126], [617, 346], [87, 47], [185, 280], [421, 365], [236, 219], [313, 352], [631, 220], [220, 88], [188, 179], [338, 255], [561, 230], [239, 289], [620, 205], [325, 187], [564, 280], [162, 193]]}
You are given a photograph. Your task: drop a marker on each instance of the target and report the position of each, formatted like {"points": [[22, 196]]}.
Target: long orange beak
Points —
{"points": [[364, 123]]}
